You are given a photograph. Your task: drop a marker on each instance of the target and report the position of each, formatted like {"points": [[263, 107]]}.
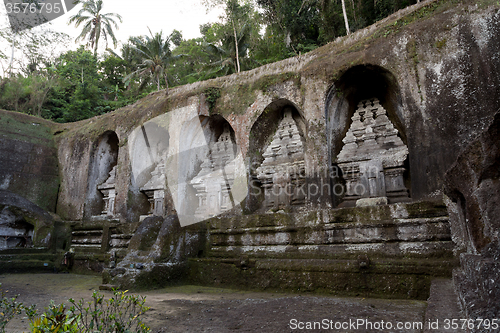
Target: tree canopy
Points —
{"points": [[76, 84]]}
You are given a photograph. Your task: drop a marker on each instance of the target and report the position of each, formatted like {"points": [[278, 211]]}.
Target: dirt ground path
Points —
{"points": [[203, 309]]}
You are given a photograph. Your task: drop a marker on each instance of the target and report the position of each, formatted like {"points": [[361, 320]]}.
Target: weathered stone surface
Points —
{"points": [[36, 222], [157, 254], [473, 185], [28, 159]]}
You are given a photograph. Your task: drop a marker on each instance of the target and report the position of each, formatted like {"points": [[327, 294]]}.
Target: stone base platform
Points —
{"points": [[379, 251]]}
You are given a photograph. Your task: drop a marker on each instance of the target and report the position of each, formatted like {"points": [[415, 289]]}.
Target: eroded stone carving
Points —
{"points": [[155, 189], [109, 192], [282, 173], [372, 158], [14, 232], [214, 181]]}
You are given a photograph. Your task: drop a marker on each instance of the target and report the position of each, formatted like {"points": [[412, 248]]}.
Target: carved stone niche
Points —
{"points": [[156, 188], [109, 193], [214, 181], [372, 158], [282, 173]]}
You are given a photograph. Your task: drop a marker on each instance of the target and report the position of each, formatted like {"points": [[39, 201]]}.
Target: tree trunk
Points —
{"points": [[166, 84], [237, 53], [12, 55], [345, 18]]}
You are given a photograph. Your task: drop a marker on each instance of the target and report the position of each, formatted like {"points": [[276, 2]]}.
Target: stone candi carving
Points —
{"points": [[109, 192], [214, 181], [156, 188], [372, 158], [282, 173]]}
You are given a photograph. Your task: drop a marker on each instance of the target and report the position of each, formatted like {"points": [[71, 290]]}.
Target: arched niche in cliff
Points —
{"points": [[149, 152], [276, 156], [362, 88], [206, 168], [101, 176], [15, 231]]}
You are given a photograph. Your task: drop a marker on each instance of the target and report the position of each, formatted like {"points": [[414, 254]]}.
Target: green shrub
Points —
{"points": [[9, 307], [119, 314], [55, 319]]}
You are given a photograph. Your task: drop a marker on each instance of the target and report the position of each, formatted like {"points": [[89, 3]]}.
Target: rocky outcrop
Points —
{"points": [[473, 185], [157, 254]]}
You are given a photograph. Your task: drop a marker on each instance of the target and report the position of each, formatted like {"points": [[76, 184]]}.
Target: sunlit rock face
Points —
{"points": [[282, 173], [109, 193], [215, 180], [372, 158]]}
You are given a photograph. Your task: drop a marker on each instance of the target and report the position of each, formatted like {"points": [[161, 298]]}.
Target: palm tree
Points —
{"points": [[95, 23], [156, 56], [230, 53]]}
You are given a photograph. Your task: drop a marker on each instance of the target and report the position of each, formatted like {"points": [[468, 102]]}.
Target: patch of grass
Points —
{"points": [[440, 44]]}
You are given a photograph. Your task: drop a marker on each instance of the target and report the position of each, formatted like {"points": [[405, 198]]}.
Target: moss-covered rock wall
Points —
{"points": [[28, 163]]}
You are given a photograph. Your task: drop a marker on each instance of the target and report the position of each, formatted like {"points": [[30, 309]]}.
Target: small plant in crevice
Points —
{"points": [[212, 94]]}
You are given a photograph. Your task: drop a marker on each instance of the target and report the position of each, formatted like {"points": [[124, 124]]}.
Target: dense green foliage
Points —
{"points": [[80, 84]]}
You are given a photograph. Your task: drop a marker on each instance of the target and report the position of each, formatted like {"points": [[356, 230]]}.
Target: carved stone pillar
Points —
{"points": [[282, 173], [109, 193], [214, 181], [372, 158], [155, 189]]}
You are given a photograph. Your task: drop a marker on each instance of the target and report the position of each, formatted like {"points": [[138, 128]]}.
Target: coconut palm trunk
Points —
{"points": [[345, 18], [236, 47]]}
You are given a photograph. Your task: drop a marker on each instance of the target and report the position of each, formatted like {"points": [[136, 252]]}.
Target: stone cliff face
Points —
{"points": [[295, 129], [473, 185], [433, 67]]}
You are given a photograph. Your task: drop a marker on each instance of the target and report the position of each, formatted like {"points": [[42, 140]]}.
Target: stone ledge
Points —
{"points": [[440, 249]]}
